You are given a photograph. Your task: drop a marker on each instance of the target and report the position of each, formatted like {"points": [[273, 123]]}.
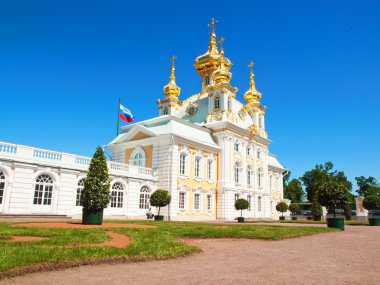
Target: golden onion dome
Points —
{"points": [[171, 90], [221, 75], [252, 96], [210, 61]]}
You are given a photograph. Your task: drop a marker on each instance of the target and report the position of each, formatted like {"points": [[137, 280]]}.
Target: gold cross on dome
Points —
{"points": [[221, 41], [172, 59], [212, 24], [250, 65]]}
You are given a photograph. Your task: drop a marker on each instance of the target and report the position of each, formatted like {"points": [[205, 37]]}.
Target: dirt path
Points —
{"points": [[349, 257], [82, 226]]}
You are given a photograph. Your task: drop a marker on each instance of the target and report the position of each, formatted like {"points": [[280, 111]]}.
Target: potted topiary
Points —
{"points": [[316, 211], [294, 209], [160, 198], [282, 207], [372, 204], [241, 204], [333, 195], [95, 195]]}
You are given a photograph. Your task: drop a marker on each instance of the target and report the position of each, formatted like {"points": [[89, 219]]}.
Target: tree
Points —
{"points": [[293, 191], [367, 186], [372, 202], [316, 210], [241, 204], [321, 174], [294, 208], [160, 198], [96, 189], [282, 207], [333, 195]]}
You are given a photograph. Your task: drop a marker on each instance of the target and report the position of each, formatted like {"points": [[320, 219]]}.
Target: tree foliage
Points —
{"points": [[372, 202], [293, 191], [160, 198], [333, 195], [316, 209], [322, 174], [367, 186], [241, 204], [282, 207], [294, 208], [96, 190]]}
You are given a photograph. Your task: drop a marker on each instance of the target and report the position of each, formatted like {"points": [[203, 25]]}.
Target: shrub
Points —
{"points": [[96, 190], [333, 195], [372, 202], [294, 208], [160, 198], [241, 204], [316, 209], [282, 207]]}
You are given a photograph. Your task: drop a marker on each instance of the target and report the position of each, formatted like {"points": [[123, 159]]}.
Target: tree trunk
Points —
{"points": [[241, 213], [158, 211]]}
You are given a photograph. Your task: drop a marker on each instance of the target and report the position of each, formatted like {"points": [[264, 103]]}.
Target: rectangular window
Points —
{"points": [[248, 151], [197, 202], [259, 154], [182, 161], [181, 200], [236, 147], [209, 202], [259, 204], [197, 167], [259, 179], [236, 197], [209, 170], [249, 202]]}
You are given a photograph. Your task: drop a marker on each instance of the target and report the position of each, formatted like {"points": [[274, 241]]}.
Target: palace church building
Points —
{"points": [[207, 150]]}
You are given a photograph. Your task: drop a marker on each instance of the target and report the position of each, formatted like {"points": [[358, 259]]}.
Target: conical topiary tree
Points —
{"points": [[96, 195]]}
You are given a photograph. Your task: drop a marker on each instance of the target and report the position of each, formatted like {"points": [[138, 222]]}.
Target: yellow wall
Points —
{"points": [[194, 184]]}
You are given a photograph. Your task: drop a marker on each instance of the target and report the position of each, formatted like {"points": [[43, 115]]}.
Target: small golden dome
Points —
{"points": [[252, 96], [207, 63], [171, 90], [222, 74]]}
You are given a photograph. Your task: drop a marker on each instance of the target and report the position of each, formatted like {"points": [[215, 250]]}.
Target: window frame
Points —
{"points": [[217, 102], [44, 189], [117, 195], [3, 183]]}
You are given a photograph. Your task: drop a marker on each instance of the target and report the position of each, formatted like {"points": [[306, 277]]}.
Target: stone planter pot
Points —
{"points": [[158, 218], [240, 219], [335, 223], [374, 221], [92, 216], [282, 218], [317, 218]]}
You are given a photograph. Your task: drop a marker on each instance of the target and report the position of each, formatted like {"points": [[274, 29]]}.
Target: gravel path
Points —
{"points": [[349, 257]]}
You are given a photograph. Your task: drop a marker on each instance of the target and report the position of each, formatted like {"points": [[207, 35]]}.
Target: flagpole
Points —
{"points": [[118, 119]]}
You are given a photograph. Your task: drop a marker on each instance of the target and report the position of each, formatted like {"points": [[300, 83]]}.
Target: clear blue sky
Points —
{"points": [[64, 64]]}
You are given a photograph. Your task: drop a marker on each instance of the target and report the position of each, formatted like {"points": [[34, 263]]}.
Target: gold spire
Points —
{"points": [[252, 96], [212, 47], [171, 90], [221, 75]]}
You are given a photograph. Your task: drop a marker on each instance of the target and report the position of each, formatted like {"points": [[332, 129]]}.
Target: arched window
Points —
{"points": [[259, 204], [144, 197], [210, 169], [2, 186], [198, 167], [43, 190], [237, 172], [260, 177], [236, 197], [79, 191], [182, 164], [117, 194], [259, 154], [249, 175], [207, 80], [165, 111], [229, 104], [139, 159], [209, 201], [249, 199], [217, 102]]}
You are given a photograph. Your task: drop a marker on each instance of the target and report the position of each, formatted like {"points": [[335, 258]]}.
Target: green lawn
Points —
{"points": [[346, 222], [155, 243]]}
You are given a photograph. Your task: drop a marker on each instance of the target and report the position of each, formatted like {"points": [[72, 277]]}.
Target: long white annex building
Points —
{"points": [[207, 150]]}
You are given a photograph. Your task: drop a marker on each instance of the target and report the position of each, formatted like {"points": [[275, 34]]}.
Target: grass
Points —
{"points": [[157, 243], [346, 222]]}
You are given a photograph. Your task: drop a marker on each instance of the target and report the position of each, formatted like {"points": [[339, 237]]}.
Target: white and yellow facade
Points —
{"points": [[207, 150]]}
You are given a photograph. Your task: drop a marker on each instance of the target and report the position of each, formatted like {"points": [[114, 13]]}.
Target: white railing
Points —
{"points": [[8, 148], [29, 154]]}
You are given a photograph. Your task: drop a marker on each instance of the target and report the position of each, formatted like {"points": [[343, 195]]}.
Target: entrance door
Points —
{"points": [[43, 194], [2, 190]]}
